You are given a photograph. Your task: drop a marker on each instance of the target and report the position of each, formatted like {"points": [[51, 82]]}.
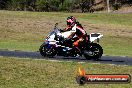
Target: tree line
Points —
{"points": [[59, 5]]}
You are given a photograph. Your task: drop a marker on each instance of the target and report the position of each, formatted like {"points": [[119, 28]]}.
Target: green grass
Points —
{"points": [[27, 30], [28, 73], [15, 45], [117, 46]]}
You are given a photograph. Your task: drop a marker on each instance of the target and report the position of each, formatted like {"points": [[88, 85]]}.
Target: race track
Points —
{"points": [[35, 55]]}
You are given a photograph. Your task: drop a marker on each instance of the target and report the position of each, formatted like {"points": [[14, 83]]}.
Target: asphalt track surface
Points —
{"points": [[117, 60]]}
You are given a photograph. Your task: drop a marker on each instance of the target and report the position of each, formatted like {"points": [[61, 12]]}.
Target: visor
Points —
{"points": [[68, 23]]}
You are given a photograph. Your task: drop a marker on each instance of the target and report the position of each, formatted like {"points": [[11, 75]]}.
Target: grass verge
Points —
{"points": [[26, 30], [28, 73]]}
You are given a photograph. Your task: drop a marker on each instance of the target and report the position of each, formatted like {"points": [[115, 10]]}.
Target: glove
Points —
{"points": [[66, 39], [61, 30]]}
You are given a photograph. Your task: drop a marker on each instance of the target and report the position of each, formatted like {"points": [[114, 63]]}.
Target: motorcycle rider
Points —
{"points": [[79, 30]]}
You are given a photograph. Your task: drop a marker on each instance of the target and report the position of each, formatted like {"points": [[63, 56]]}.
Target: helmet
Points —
{"points": [[71, 21]]}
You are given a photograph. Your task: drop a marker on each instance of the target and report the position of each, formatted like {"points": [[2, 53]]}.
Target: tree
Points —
{"points": [[86, 5], [3, 4], [42, 5], [62, 1], [54, 5]]}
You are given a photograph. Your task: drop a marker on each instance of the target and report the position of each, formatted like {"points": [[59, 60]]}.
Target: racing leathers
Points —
{"points": [[78, 33]]}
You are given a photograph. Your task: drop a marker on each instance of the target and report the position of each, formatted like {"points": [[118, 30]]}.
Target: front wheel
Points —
{"points": [[46, 50], [93, 51], [42, 50]]}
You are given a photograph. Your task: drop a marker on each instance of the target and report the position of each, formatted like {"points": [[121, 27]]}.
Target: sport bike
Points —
{"points": [[58, 43]]}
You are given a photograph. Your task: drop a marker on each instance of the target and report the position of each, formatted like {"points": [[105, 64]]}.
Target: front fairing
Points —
{"points": [[51, 37]]}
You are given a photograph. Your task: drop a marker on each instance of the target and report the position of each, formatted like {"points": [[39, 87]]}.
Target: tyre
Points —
{"points": [[93, 51], [42, 50], [46, 51]]}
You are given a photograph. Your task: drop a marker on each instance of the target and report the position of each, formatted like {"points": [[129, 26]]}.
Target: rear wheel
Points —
{"points": [[93, 51]]}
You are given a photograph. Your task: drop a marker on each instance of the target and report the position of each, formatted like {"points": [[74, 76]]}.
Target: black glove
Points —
{"points": [[66, 39], [61, 30]]}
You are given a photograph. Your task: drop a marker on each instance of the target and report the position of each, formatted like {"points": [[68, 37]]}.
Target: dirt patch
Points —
{"points": [[26, 28], [127, 9]]}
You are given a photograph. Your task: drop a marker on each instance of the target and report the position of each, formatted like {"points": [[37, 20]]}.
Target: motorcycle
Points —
{"points": [[58, 44]]}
